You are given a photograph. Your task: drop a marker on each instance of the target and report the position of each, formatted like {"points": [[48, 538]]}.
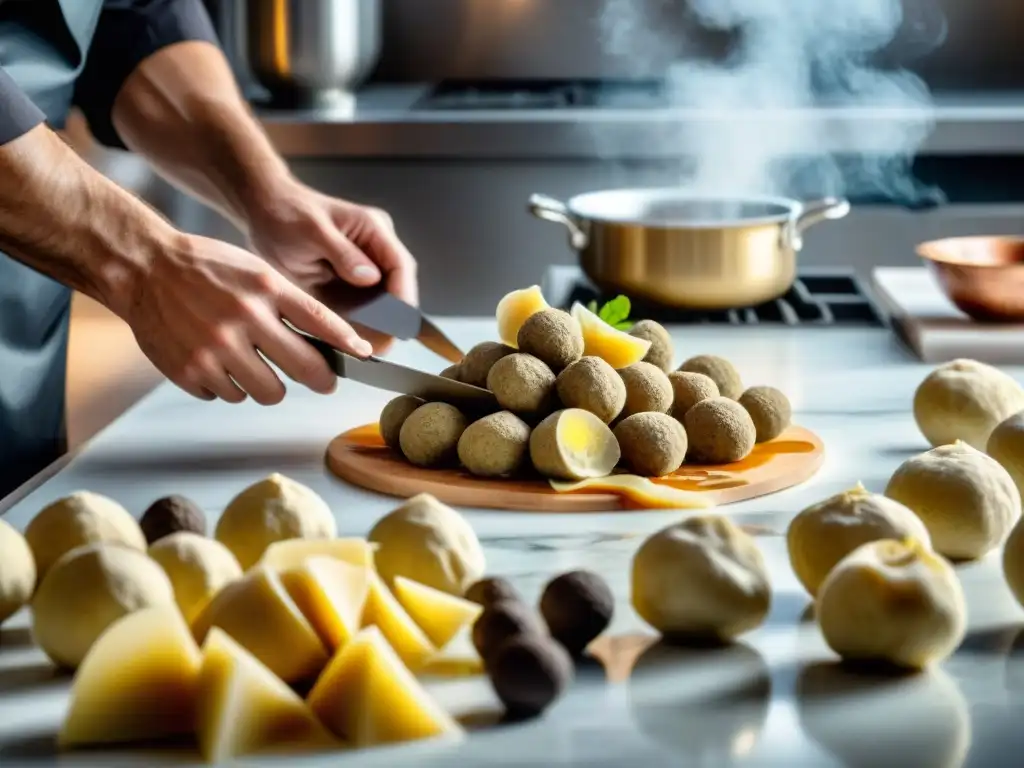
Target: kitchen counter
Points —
{"points": [[777, 699], [382, 121]]}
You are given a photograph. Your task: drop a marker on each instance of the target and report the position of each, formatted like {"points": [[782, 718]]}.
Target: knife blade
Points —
{"points": [[392, 377]]}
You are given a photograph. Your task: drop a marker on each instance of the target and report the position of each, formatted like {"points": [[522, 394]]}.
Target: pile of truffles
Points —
{"points": [[580, 398]]}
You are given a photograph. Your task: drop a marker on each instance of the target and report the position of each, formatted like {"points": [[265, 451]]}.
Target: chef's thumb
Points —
{"points": [[350, 263]]}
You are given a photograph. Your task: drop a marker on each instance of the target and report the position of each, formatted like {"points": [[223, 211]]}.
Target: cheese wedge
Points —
{"points": [[291, 553], [437, 613], [402, 633], [331, 595]]}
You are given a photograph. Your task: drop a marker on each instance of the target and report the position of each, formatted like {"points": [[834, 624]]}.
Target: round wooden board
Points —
{"points": [[360, 457]]}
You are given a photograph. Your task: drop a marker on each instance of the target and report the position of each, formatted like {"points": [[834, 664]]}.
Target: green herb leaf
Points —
{"points": [[592, 306], [616, 311], [623, 326]]}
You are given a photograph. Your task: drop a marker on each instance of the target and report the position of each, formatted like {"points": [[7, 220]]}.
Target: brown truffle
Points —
{"points": [[688, 389], [593, 385], [393, 417], [479, 360], [430, 435], [720, 370], [495, 446], [661, 352], [553, 336], [720, 431], [452, 372], [172, 514], [577, 607], [522, 384], [770, 411], [647, 389], [528, 673], [490, 590], [652, 444], [501, 621]]}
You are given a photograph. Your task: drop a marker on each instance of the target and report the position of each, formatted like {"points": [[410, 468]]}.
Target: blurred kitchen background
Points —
{"points": [[451, 113]]}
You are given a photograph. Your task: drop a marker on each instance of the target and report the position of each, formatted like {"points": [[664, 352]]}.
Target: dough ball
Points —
{"points": [[86, 591], [495, 446], [688, 389], [661, 352], [522, 384], [453, 372], [479, 360], [647, 389], [393, 417], [1013, 561], [894, 602], [770, 411], [197, 567], [720, 431], [429, 542], [528, 673], [824, 533], [573, 444], [73, 521], [966, 499], [500, 622], [577, 607], [553, 336], [492, 590], [17, 571], [965, 400], [274, 509], [652, 444], [1006, 445], [701, 580], [719, 370], [430, 435], [171, 514], [593, 385]]}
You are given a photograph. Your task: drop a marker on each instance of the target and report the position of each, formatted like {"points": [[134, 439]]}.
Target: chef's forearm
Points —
{"points": [[67, 221], [182, 110]]}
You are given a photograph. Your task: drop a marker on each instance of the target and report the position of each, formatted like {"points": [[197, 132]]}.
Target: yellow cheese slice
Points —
{"points": [[640, 490], [439, 614], [402, 633], [331, 595]]}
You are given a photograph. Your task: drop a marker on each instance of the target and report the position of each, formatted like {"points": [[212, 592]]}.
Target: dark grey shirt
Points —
{"points": [[56, 54]]}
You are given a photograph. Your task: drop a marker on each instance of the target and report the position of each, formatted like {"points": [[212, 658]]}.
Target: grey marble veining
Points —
{"points": [[777, 699]]}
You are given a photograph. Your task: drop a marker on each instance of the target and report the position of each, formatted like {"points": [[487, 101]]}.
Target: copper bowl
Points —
{"points": [[982, 276]]}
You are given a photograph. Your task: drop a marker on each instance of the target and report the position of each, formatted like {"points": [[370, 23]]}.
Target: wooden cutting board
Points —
{"points": [[360, 457]]}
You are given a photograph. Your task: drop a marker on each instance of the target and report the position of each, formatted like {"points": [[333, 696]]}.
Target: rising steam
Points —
{"points": [[792, 96]]}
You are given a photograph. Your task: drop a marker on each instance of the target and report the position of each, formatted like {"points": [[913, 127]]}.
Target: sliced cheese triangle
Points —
{"points": [[331, 595], [290, 553], [440, 615], [402, 633]]}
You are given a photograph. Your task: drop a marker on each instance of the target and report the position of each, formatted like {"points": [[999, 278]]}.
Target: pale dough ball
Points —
{"points": [[965, 400], [892, 601], [1013, 561], [82, 518], [1006, 445], [274, 509], [702, 579], [197, 566], [966, 500], [429, 542], [89, 589], [824, 533], [17, 571]]}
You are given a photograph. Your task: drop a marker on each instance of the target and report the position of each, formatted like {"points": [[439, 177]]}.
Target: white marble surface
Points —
{"points": [[778, 700]]}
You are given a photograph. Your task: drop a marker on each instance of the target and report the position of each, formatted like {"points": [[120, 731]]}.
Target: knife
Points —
{"points": [[381, 374], [380, 311]]}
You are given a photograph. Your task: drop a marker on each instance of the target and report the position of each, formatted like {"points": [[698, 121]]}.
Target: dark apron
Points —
{"points": [[42, 46]]}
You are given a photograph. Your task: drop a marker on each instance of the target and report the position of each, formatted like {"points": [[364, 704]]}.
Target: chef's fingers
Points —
{"points": [[296, 357], [309, 315], [205, 373], [348, 260], [382, 244], [253, 375]]}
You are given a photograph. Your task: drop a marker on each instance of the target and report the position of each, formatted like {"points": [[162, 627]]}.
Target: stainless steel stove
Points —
{"points": [[468, 96], [817, 298]]}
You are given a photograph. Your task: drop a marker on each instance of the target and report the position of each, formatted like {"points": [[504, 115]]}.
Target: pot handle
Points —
{"points": [[809, 214], [550, 209]]}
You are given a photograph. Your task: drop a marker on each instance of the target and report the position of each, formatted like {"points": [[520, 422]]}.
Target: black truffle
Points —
{"points": [[491, 590], [170, 515], [528, 673], [502, 621], [577, 607]]}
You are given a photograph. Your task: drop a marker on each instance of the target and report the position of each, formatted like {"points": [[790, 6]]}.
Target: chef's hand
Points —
{"points": [[206, 310], [315, 239]]}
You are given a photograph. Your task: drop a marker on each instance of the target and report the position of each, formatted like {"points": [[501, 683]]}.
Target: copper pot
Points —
{"points": [[982, 276], [672, 248]]}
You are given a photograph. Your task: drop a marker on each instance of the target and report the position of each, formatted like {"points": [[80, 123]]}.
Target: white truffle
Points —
{"points": [[86, 591], [702, 579], [894, 602], [429, 542], [965, 400], [966, 500], [824, 533], [81, 518], [198, 568], [274, 509], [17, 571]]}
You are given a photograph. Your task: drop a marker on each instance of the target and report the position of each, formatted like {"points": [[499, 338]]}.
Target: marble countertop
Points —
{"points": [[775, 700]]}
